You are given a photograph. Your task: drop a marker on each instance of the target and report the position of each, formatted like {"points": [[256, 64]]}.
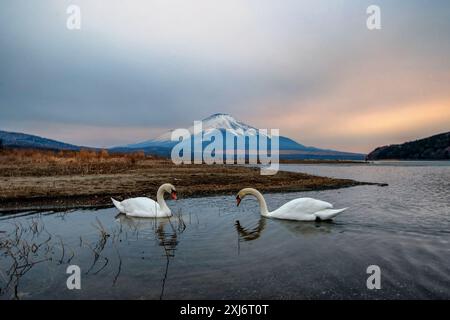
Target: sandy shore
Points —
{"points": [[46, 186]]}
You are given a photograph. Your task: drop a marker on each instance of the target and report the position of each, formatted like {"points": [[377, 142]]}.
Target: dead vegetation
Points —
{"points": [[27, 245], [31, 179], [22, 248], [38, 163]]}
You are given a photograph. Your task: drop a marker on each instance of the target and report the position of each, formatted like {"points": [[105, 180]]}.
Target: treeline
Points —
{"points": [[432, 148]]}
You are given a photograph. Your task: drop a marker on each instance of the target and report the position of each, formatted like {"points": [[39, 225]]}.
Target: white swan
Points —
{"points": [[301, 209], [145, 207]]}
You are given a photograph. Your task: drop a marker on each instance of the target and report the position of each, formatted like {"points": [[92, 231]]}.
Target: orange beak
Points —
{"points": [[174, 195], [238, 201]]}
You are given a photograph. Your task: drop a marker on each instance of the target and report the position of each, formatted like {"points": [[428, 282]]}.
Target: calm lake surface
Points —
{"points": [[204, 253]]}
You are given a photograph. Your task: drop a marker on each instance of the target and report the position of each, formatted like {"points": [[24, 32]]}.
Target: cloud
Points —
{"points": [[161, 64]]}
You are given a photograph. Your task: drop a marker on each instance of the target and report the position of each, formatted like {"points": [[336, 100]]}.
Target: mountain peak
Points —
{"points": [[220, 118], [219, 115], [224, 121], [216, 121]]}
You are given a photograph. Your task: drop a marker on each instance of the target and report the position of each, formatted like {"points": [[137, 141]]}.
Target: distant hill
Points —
{"points": [[436, 147], [162, 145], [22, 140]]}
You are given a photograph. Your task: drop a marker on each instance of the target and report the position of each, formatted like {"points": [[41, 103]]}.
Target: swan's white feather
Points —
{"points": [[141, 207], [328, 214], [118, 205], [305, 209]]}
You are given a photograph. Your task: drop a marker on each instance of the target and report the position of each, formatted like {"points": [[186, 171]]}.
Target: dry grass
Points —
{"points": [[19, 162], [45, 179]]}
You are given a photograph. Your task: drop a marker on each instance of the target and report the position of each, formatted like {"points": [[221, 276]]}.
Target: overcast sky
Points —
{"points": [[310, 68]]}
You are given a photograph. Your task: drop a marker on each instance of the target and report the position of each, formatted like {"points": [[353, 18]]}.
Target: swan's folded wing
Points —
{"points": [[141, 206], [302, 209], [328, 214], [306, 205]]}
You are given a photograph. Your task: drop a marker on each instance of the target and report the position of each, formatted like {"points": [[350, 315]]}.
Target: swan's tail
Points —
{"points": [[328, 214], [118, 205]]}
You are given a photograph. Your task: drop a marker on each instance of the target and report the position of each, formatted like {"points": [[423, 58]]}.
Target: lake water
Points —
{"points": [[204, 253]]}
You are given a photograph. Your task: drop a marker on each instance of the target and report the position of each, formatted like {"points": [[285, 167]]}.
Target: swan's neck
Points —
{"points": [[161, 201], [261, 200]]}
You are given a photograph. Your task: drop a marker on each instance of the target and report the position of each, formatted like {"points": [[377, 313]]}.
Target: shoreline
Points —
{"points": [[59, 204], [322, 161], [63, 184]]}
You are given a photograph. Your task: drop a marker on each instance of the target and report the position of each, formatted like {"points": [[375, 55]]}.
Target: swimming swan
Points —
{"points": [[145, 207], [301, 209]]}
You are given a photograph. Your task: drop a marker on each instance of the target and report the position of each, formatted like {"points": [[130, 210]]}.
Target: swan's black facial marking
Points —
{"points": [[238, 200]]}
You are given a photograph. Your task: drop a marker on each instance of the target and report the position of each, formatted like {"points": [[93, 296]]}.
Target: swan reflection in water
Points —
{"points": [[297, 228], [166, 230]]}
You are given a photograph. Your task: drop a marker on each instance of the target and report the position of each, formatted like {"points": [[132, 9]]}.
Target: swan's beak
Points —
{"points": [[238, 201], [174, 195]]}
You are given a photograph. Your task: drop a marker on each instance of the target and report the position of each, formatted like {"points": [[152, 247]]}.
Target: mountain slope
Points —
{"points": [[22, 140], [226, 123], [162, 145], [218, 121], [436, 147]]}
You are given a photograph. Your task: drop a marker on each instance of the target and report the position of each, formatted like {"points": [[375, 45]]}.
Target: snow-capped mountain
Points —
{"points": [[162, 145], [218, 121], [226, 123]]}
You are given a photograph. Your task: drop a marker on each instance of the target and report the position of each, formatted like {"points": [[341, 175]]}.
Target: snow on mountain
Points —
{"points": [[225, 122], [218, 121], [162, 145]]}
